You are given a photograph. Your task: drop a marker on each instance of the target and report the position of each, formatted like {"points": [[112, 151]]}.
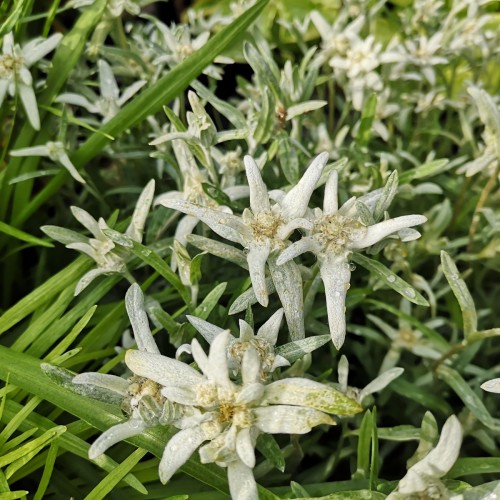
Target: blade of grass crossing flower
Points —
{"points": [[14, 16], [461, 292], [114, 477]]}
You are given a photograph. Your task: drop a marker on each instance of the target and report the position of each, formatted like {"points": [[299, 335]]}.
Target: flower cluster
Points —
{"points": [[220, 408], [331, 233]]}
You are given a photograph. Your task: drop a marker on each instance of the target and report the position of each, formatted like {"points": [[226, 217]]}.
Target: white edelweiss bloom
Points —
{"points": [[424, 477], [263, 342], [56, 152], [335, 234], [142, 400], [110, 101], [178, 45], [492, 385], [230, 415], [263, 229], [100, 247], [15, 76]]}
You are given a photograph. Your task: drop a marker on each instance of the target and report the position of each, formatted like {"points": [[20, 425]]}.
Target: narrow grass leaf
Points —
{"points": [[210, 301], [475, 465], [114, 477], [390, 279], [47, 472], [21, 235]]}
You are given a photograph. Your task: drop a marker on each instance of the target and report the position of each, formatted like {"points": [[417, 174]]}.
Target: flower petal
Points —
{"points": [[141, 211], [207, 330], [117, 433], [163, 370], [111, 382], [331, 199], [336, 275], [66, 163], [379, 231], [256, 258], [306, 244], [178, 450], [226, 225], [286, 419], [245, 447], [217, 359], [242, 484], [259, 199], [270, 329], [294, 204], [87, 278], [27, 96], [134, 303]]}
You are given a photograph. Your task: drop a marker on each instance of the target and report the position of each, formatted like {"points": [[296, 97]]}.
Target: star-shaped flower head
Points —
{"points": [[231, 415], [142, 400], [423, 479], [335, 234], [56, 152], [263, 342], [110, 101], [15, 76], [263, 230], [100, 247]]}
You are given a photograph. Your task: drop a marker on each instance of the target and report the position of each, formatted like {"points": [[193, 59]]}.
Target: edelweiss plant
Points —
{"points": [[15, 76], [100, 247], [333, 235], [233, 111], [263, 230]]}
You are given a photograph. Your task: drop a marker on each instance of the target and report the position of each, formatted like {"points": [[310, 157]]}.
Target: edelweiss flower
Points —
{"points": [[230, 415], [335, 234], [15, 75], [263, 342], [142, 399], [101, 248], [263, 230], [110, 101], [56, 152], [423, 480]]}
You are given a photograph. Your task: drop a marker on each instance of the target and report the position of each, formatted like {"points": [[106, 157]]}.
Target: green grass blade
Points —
{"points": [[21, 235], [44, 293], [115, 476]]}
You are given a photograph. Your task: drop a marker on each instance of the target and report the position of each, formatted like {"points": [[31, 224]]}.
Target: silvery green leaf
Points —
{"points": [[389, 191], [488, 111], [461, 292], [207, 330], [408, 234], [248, 298], [337, 165], [119, 238], [308, 393], [295, 350], [64, 378], [288, 284], [219, 249], [63, 235], [303, 107], [141, 211], [266, 120], [381, 382], [429, 435], [343, 373], [390, 279], [262, 69], [427, 169], [231, 135]]}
